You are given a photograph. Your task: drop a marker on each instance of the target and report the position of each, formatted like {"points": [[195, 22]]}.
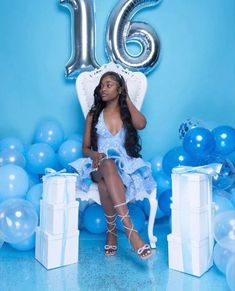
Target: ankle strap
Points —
{"points": [[122, 217]]}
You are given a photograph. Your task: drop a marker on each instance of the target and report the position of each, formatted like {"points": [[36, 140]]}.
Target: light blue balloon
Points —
{"points": [[76, 136], [222, 204], [230, 273], [34, 195], [69, 151], [224, 139], [12, 156], [14, 182], [175, 157], [49, 131], [137, 217], [12, 143], [33, 179], [18, 220], [224, 230], [199, 142], [232, 195], [39, 157], [221, 257], [25, 245], [94, 219], [163, 182]]}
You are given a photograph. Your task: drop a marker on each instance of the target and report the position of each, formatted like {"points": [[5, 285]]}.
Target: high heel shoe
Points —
{"points": [[143, 252], [110, 250]]}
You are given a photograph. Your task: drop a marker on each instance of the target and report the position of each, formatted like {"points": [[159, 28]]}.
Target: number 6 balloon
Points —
{"points": [[83, 37], [121, 31]]}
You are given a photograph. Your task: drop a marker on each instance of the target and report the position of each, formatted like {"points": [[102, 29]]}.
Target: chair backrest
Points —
{"points": [[87, 81]]}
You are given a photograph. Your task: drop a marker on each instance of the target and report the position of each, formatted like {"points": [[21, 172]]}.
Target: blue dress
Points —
{"points": [[134, 172]]}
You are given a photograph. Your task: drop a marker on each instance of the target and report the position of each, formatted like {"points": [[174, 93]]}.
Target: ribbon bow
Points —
{"points": [[211, 169], [49, 172]]}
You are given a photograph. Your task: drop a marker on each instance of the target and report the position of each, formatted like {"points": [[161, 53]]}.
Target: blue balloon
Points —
{"points": [[94, 219], [12, 156], [224, 139], [33, 179], [221, 257], [163, 182], [69, 151], [164, 202], [232, 195], [76, 136], [26, 244], [12, 143], [199, 142], [39, 157], [159, 213], [156, 164], [14, 182], [137, 217], [224, 230], [176, 157], [222, 204], [49, 131], [230, 273], [18, 220], [34, 195]]}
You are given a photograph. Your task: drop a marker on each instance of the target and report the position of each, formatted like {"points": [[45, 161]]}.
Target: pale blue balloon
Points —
{"points": [[25, 245], [49, 131], [224, 230], [76, 136], [34, 195], [39, 157], [12, 156], [222, 204], [33, 179], [221, 257], [230, 273], [18, 220], [12, 143], [69, 151], [14, 182]]}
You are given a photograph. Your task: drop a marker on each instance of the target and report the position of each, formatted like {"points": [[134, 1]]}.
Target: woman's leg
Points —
{"points": [[110, 214], [115, 189]]}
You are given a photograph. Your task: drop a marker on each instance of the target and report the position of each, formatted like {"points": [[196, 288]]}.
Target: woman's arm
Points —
{"points": [[138, 119], [86, 145]]}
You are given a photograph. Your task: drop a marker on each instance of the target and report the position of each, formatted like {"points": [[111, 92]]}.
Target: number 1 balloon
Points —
{"points": [[83, 37]]}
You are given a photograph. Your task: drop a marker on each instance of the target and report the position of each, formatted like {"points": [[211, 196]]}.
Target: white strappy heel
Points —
{"points": [[110, 250]]}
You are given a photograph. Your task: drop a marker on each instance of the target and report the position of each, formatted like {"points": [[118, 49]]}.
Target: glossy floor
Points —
{"points": [[20, 271]]}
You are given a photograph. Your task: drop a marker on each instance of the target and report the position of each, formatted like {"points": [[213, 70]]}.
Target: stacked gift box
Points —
{"points": [[57, 236], [190, 244]]}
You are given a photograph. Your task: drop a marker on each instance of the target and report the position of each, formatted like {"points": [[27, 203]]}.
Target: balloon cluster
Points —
{"points": [[21, 169], [200, 146]]}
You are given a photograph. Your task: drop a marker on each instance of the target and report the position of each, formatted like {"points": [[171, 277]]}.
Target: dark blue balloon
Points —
{"points": [[137, 217], [176, 157], [199, 142], [224, 139], [94, 219], [164, 202]]}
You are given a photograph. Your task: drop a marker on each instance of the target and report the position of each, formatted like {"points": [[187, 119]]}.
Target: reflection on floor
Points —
{"points": [[20, 271]]}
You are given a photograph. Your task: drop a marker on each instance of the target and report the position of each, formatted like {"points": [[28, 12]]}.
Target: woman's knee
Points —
{"points": [[108, 167]]}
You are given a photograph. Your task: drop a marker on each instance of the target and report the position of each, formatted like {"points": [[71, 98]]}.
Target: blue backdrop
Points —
{"points": [[194, 78]]}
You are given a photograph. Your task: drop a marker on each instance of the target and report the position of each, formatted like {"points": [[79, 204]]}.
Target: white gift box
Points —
{"points": [[192, 257], [193, 221], [196, 187], [54, 251], [59, 188], [58, 218]]}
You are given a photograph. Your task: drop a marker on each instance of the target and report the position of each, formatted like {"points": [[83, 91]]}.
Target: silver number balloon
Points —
{"points": [[83, 37], [120, 31]]}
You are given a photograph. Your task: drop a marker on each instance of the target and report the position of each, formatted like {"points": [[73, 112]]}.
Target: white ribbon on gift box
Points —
{"points": [[209, 170], [52, 173]]}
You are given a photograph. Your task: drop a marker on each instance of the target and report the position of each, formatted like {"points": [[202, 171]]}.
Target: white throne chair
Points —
{"points": [[137, 85]]}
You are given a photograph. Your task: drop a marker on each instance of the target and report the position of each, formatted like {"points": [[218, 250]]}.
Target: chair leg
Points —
{"points": [[153, 202]]}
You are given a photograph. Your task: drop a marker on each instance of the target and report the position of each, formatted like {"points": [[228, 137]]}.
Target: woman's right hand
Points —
{"points": [[96, 157]]}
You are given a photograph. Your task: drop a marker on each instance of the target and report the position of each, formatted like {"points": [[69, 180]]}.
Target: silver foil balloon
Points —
{"points": [[82, 36], [121, 31]]}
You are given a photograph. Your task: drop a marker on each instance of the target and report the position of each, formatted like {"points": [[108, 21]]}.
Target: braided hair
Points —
{"points": [[132, 140]]}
